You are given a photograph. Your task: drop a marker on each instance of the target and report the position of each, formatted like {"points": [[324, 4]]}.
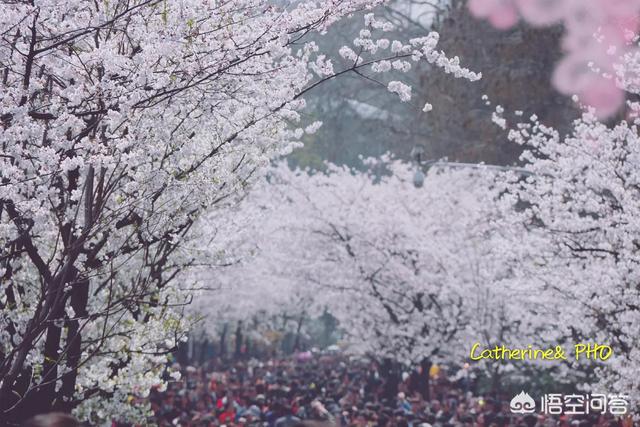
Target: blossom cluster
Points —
{"points": [[400, 55], [122, 123]]}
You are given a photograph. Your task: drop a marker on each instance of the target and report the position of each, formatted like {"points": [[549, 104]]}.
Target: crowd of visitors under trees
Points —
{"points": [[334, 389]]}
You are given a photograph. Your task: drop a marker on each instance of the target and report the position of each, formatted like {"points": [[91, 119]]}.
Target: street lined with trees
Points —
{"points": [[146, 199]]}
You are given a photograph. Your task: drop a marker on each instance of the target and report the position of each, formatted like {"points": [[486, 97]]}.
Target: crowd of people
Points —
{"points": [[334, 390]]}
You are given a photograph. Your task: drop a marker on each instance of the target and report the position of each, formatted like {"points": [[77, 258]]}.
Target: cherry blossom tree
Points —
{"points": [[121, 122], [576, 253], [577, 249], [254, 279], [410, 273], [579, 254]]}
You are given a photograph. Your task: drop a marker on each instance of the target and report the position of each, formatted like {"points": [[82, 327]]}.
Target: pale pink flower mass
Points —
{"points": [[597, 34], [603, 95], [500, 13], [542, 12]]}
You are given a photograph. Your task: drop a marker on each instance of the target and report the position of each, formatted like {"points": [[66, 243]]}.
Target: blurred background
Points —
{"points": [[362, 119]]}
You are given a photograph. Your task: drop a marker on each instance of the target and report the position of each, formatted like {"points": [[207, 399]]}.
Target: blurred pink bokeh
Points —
{"points": [[597, 34]]}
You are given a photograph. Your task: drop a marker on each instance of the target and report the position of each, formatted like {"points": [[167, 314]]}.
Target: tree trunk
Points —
{"points": [[79, 300], [296, 343], [42, 399], [203, 350], [495, 381], [423, 382], [391, 381], [223, 341], [238, 352]]}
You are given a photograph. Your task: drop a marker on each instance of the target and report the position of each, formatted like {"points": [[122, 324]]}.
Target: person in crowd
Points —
{"points": [[334, 391]]}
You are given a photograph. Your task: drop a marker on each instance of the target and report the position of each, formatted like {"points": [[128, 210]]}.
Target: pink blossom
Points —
{"points": [[501, 14], [573, 74], [584, 17], [597, 33], [542, 12], [604, 96], [626, 25], [620, 8], [612, 34]]}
